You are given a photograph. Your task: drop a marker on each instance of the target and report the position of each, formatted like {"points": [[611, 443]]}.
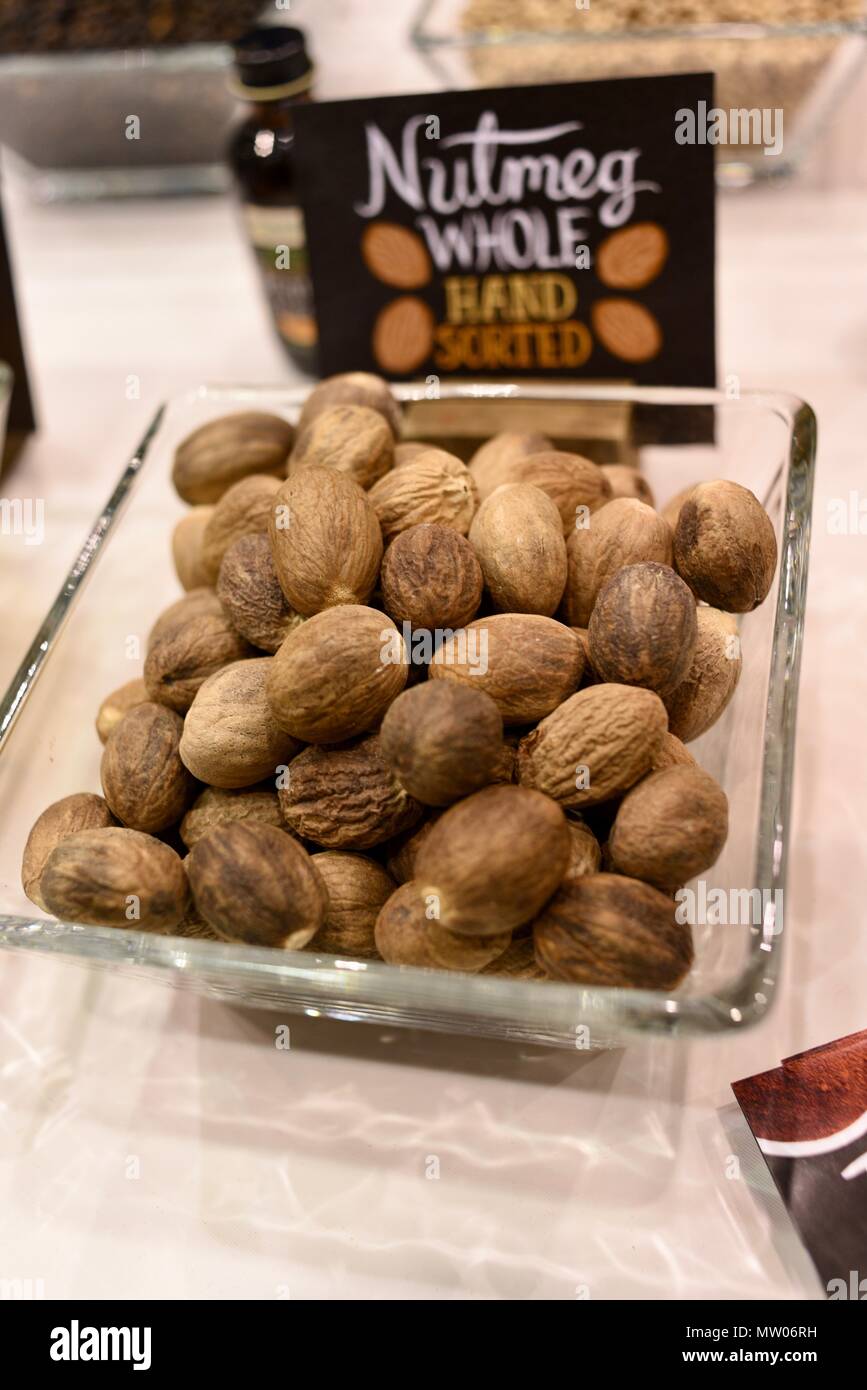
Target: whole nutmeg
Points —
{"points": [[357, 887], [230, 736], [709, 684], [594, 746], [346, 798], [401, 854], [433, 487], [528, 664], [623, 532], [118, 703], [570, 480], [492, 860], [187, 547], [643, 628], [409, 450], [335, 675], [518, 961], [221, 805], [221, 452], [585, 852], [670, 827], [351, 438], [431, 578], [672, 753], [626, 481], [186, 653], [144, 781], [603, 929], [243, 510], [69, 816], [195, 604], [325, 540], [518, 538], [490, 463], [408, 933], [253, 883], [115, 877], [725, 547], [249, 590], [352, 388], [442, 741], [671, 510]]}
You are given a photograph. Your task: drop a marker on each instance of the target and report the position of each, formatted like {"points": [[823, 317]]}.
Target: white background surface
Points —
{"points": [[301, 1174]]}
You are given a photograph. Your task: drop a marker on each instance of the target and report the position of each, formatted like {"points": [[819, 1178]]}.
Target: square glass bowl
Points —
{"points": [[88, 646]]}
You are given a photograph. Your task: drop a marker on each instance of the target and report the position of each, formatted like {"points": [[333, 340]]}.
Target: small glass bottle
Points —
{"points": [[274, 72]]}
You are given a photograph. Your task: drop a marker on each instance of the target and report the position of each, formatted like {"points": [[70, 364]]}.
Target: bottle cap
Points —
{"points": [[272, 62]]}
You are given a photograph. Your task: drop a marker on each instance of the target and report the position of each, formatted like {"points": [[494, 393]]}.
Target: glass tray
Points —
{"points": [[84, 649]]}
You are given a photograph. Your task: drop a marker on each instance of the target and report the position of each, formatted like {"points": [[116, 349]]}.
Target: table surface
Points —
{"points": [[154, 1144]]}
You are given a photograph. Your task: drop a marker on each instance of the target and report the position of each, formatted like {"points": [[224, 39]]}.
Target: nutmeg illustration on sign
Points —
{"points": [[519, 231]]}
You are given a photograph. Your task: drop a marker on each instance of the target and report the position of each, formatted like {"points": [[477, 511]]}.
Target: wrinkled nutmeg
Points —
{"points": [[335, 675], [180, 660], [625, 481], [346, 798], [570, 480], [623, 532], [492, 860], [433, 487], [351, 438], [670, 827], [230, 737], [672, 753], [116, 877], [118, 703], [490, 463], [517, 535], [357, 888], [431, 578], [442, 741], [585, 853], [251, 882], [69, 816], [603, 929], [325, 540], [144, 781], [527, 663], [187, 540], [709, 684], [352, 388], [195, 604], [725, 547], [643, 628], [221, 452], [220, 805], [244, 510], [408, 933], [249, 590]]}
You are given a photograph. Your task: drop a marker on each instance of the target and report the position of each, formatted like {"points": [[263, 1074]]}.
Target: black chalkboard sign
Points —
{"points": [[517, 232], [21, 418]]}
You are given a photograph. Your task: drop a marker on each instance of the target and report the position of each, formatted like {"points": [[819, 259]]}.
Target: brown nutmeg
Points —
{"points": [[671, 510], [118, 703], [409, 450], [221, 452], [518, 961], [408, 933], [670, 827], [221, 805], [709, 684], [623, 532], [490, 463], [243, 510], [357, 887], [253, 883], [352, 388], [626, 481], [585, 851], [402, 852], [187, 540], [725, 547], [594, 746], [492, 860], [643, 628], [351, 438], [527, 663], [672, 753], [346, 798], [518, 538], [433, 487], [442, 741], [571, 481], [431, 578], [69, 816], [230, 736], [144, 781], [249, 590], [195, 604], [186, 653], [325, 539], [335, 675], [603, 929], [115, 877]]}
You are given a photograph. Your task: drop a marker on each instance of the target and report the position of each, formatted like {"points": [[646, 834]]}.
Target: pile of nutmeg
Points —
{"points": [[419, 710]]}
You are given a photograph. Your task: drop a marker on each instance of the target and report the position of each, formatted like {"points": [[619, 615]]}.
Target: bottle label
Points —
{"points": [[277, 235]]}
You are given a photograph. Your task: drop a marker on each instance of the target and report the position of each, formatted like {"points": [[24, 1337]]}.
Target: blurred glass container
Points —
{"points": [[803, 66], [6, 383], [66, 118]]}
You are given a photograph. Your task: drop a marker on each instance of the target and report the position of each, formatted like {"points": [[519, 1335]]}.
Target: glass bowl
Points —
{"points": [[85, 648]]}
